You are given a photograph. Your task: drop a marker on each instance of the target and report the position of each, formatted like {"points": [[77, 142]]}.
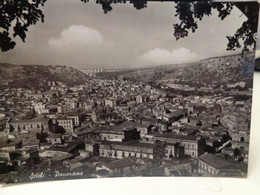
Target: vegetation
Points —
{"points": [[18, 15], [29, 76], [215, 71]]}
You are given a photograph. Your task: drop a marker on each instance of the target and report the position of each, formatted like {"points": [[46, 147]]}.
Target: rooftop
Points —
{"points": [[39, 118], [125, 162], [217, 162], [175, 136], [65, 148], [129, 143], [121, 127]]}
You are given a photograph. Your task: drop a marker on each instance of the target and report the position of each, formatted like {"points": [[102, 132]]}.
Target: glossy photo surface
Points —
{"points": [[125, 88]]}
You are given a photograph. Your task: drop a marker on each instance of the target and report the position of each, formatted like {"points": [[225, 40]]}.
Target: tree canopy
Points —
{"points": [[190, 12], [17, 15]]}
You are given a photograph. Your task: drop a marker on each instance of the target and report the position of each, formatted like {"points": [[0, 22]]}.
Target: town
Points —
{"points": [[110, 127]]}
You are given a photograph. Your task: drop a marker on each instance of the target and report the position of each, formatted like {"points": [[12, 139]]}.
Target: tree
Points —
{"points": [[241, 159], [17, 16], [190, 12], [236, 152]]}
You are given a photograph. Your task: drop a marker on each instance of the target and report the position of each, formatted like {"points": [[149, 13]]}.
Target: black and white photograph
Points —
{"points": [[118, 88]]}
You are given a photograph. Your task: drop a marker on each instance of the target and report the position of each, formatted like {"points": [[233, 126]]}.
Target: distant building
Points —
{"points": [[77, 119], [143, 129], [7, 156], [67, 124], [105, 117], [149, 121], [38, 124], [139, 99], [54, 139], [109, 103], [10, 146], [173, 151], [162, 125], [120, 133], [3, 122], [40, 108], [175, 116]]}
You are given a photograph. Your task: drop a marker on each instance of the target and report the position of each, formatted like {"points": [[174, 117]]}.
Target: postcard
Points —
{"points": [[116, 88]]}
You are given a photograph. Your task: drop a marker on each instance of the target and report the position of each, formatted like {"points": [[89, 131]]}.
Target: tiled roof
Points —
{"points": [[217, 162]]}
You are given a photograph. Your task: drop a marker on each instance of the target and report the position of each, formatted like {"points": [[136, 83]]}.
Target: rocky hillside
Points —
{"points": [[28, 76], [222, 70]]}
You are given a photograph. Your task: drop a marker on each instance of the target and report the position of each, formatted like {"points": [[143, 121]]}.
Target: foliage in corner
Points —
{"points": [[15, 18], [189, 13], [17, 15]]}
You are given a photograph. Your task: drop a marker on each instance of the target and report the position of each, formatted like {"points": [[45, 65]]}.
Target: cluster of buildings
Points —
{"points": [[122, 128]]}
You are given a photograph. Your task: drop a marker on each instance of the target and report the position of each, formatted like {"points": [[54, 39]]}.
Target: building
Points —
{"points": [[7, 156], [131, 148], [40, 108], [192, 146], [77, 119], [92, 147], [214, 165], [38, 124], [54, 139], [10, 146], [174, 116], [85, 134], [162, 125], [142, 129], [139, 99], [118, 167], [104, 117], [173, 151], [3, 122], [66, 124], [122, 132], [109, 103], [149, 121]]}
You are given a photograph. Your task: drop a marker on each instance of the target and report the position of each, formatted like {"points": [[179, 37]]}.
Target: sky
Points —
{"points": [[82, 36]]}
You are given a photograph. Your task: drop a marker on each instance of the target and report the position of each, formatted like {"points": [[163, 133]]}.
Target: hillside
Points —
{"points": [[28, 76], [222, 70]]}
